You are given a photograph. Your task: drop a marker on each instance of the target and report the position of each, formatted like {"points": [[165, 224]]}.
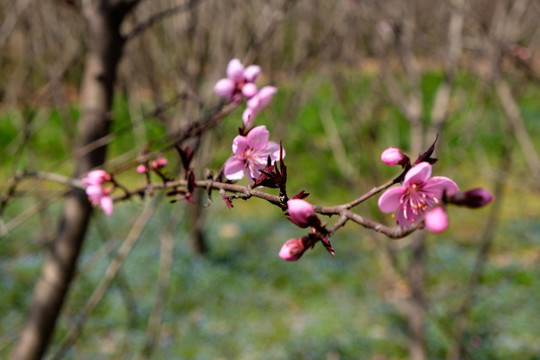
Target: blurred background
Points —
{"points": [[354, 77]]}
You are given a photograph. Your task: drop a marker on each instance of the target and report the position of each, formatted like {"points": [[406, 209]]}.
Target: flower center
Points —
{"points": [[416, 201]]}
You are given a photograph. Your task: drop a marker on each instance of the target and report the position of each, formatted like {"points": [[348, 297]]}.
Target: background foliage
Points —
{"points": [[334, 114]]}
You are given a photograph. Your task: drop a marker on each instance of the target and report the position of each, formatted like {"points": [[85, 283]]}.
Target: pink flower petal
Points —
{"points": [[235, 70], [265, 96], [252, 72], [438, 184], [390, 199], [254, 167], [106, 204], [95, 192], [253, 103], [436, 220], [418, 174], [240, 145], [225, 88], [273, 150], [96, 177], [234, 168], [257, 138]]}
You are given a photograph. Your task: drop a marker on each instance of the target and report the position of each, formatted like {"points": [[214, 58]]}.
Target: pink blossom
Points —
{"points": [[394, 156], [258, 102], [292, 250], [95, 191], [96, 177], [239, 81], [250, 154], [436, 219], [418, 192], [301, 213], [100, 196]]}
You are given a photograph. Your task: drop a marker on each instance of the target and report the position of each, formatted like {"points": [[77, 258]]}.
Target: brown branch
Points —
{"points": [[244, 192]]}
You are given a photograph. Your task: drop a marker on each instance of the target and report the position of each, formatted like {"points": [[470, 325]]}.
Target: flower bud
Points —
{"points": [[252, 72], [249, 90], [301, 213], [159, 163], [436, 220], [474, 198], [292, 250], [141, 169], [225, 88], [247, 116], [235, 70], [394, 156]]}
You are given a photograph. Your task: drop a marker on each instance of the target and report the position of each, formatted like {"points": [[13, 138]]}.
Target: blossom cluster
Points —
{"points": [[97, 194], [421, 197], [252, 149], [240, 84], [418, 200]]}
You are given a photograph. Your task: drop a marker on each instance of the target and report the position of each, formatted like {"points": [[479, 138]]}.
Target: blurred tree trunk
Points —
{"points": [[105, 44]]}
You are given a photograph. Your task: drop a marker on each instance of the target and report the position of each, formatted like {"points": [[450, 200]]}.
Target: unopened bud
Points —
{"points": [[473, 198], [159, 163], [141, 169], [436, 220], [292, 250], [301, 213], [394, 156]]}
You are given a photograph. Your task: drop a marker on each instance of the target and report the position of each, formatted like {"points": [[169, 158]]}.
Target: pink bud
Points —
{"points": [[301, 213], [473, 198], [235, 70], [159, 163], [436, 220], [394, 156], [141, 169], [225, 88], [251, 73], [292, 250], [249, 90], [262, 99], [247, 116]]}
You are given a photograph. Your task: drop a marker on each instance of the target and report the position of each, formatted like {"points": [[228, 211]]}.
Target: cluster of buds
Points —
{"points": [[302, 214], [251, 150], [157, 164], [97, 194], [240, 84]]}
